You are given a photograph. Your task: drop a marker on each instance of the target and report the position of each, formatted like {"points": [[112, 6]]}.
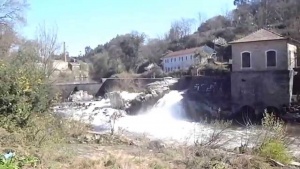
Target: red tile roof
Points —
{"points": [[189, 51], [182, 52], [260, 35]]}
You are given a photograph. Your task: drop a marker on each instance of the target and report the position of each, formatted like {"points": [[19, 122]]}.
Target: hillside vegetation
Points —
{"points": [[127, 52]]}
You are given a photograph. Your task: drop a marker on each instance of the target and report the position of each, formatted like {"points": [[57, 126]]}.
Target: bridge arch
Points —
{"points": [[272, 109], [246, 115]]}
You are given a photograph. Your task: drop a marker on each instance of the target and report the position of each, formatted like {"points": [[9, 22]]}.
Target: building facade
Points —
{"points": [[183, 59], [262, 71]]}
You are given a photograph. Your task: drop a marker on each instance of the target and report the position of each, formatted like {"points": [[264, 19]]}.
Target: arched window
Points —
{"points": [[246, 60], [271, 58]]}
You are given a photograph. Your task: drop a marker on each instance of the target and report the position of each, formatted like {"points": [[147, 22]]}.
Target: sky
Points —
{"points": [[82, 23]]}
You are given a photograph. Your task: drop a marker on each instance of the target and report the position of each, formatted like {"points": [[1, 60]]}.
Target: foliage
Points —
{"points": [[104, 66], [18, 162], [276, 150], [211, 69], [273, 143], [23, 90]]}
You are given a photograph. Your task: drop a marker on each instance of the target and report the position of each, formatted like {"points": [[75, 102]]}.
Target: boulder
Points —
{"points": [[116, 100], [146, 100]]}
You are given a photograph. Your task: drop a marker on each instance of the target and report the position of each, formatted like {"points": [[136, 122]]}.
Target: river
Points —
{"points": [[166, 121]]}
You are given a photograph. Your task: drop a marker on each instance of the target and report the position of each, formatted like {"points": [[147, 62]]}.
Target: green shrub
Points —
{"points": [[273, 143], [18, 162], [275, 149], [23, 90]]}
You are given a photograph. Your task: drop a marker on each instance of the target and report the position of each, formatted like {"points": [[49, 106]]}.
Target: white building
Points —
{"points": [[183, 59]]}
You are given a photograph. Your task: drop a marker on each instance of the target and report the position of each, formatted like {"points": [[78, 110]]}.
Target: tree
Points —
{"points": [[12, 12], [8, 39], [201, 18], [241, 2], [180, 29], [88, 51], [47, 45]]}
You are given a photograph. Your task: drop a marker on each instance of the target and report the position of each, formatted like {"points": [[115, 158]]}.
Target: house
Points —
{"points": [[262, 72], [183, 59]]}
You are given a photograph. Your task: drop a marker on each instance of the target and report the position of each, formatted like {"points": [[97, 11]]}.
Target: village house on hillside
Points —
{"points": [[262, 71], [183, 59]]}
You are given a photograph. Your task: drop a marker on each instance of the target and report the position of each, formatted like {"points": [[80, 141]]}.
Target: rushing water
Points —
{"points": [[166, 121]]}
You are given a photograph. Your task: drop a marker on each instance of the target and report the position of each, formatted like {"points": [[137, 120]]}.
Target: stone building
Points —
{"points": [[262, 72]]}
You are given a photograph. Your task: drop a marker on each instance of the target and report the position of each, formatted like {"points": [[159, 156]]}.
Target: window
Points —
{"points": [[171, 59], [271, 58], [191, 57], [246, 60], [174, 59], [178, 67], [186, 58]]}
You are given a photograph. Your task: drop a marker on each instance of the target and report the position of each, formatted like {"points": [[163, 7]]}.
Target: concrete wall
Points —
{"points": [[261, 89], [258, 55], [60, 65], [66, 89]]}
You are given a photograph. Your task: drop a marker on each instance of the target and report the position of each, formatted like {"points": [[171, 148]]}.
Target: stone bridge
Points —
{"points": [[92, 87]]}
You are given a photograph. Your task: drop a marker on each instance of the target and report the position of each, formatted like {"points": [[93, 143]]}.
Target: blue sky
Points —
{"points": [[83, 23]]}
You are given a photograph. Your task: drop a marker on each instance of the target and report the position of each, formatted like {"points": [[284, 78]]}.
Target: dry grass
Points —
{"points": [[131, 157], [45, 139]]}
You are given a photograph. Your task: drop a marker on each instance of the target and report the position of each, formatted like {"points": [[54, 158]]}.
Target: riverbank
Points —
{"points": [[127, 150], [95, 150], [142, 153]]}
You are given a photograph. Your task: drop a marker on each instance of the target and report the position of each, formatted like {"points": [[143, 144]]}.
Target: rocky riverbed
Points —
{"points": [[159, 114]]}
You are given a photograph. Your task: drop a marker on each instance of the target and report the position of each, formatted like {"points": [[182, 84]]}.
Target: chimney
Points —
{"points": [[65, 56]]}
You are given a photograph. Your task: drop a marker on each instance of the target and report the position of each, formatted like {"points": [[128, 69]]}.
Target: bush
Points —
{"points": [[23, 90], [276, 150], [213, 69], [18, 162], [273, 143]]}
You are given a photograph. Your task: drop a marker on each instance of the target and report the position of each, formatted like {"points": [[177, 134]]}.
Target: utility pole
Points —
{"points": [[65, 56]]}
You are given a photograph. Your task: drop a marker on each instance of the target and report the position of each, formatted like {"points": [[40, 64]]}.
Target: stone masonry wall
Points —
{"points": [[260, 89]]}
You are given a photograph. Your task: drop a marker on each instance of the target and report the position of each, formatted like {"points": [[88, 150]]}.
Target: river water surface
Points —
{"points": [[166, 121]]}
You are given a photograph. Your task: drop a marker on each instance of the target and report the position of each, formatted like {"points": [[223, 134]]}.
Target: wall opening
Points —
{"points": [[270, 110], [245, 116], [75, 89]]}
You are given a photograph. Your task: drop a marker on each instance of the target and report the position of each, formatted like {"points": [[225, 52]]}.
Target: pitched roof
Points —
{"points": [[204, 48], [260, 35]]}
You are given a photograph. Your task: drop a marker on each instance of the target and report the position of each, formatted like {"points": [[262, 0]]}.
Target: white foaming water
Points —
{"points": [[164, 121]]}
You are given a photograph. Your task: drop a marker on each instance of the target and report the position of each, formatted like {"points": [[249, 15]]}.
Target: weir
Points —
{"points": [[96, 88]]}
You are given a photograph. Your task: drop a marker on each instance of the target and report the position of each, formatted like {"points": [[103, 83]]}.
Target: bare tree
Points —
{"points": [[48, 46], [12, 11], [181, 28], [201, 18], [8, 39]]}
